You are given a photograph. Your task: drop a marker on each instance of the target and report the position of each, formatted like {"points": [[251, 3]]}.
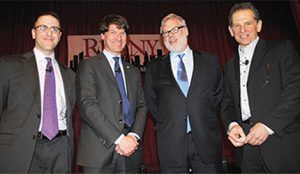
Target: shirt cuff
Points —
{"points": [[231, 125], [135, 135], [270, 131], [119, 139]]}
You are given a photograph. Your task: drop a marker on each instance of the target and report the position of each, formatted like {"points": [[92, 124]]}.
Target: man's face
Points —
{"points": [[46, 33], [114, 39], [175, 41], [244, 27]]}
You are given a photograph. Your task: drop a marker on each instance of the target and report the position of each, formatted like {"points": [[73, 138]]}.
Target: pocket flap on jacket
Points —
{"points": [[6, 138]]}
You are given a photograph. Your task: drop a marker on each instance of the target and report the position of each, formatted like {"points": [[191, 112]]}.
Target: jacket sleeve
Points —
{"points": [[149, 87], [285, 113]]}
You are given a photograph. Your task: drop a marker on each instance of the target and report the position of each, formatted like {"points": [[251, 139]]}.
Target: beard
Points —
{"points": [[179, 47]]}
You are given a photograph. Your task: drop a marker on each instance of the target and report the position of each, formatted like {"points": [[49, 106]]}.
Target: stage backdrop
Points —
{"points": [[140, 48]]}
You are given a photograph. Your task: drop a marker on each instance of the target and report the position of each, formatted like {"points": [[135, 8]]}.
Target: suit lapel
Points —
{"points": [[167, 70], [67, 87], [128, 77], [257, 57], [196, 71], [105, 67], [236, 65], [30, 67]]}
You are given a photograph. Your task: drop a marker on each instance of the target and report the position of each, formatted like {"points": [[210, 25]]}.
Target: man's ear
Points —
{"points": [[259, 26], [33, 33], [230, 31]]}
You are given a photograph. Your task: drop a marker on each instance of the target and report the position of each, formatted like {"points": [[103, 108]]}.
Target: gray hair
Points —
{"points": [[171, 16]]}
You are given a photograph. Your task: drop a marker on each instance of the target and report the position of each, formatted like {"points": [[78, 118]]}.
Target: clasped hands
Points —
{"points": [[127, 146], [257, 135]]}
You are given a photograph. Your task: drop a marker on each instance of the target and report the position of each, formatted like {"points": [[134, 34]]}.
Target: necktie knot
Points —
{"points": [[117, 65], [48, 59], [181, 56], [116, 59], [49, 67]]}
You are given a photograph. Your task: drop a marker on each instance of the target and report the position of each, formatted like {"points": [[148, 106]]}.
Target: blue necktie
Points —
{"points": [[50, 121], [126, 107], [182, 81]]}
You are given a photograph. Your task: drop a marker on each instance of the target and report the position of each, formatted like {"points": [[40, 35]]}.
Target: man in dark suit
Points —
{"points": [[34, 137], [113, 112], [183, 91], [261, 105]]}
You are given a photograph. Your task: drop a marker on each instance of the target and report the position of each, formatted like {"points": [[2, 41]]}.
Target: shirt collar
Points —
{"points": [[249, 48], [40, 56], [187, 52], [110, 56]]}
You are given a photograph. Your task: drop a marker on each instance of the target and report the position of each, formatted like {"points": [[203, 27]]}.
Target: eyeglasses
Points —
{"points": [[173, 31], [44, 28]]}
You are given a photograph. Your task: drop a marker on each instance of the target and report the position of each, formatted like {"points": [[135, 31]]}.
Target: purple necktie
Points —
{"points": [[50, 122]]}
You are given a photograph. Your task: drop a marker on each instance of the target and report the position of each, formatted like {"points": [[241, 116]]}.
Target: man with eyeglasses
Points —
{"points": [[37, 96], [261, 104], [183, 92]]}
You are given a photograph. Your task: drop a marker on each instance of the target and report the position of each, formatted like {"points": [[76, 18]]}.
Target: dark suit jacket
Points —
{"points": [[169, 107], [20, 109], [101, 110], [274, 99]]}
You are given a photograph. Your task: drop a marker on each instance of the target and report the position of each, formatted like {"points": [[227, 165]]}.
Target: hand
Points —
{"points": [[127, 146], [257, 135], [237, 136]]}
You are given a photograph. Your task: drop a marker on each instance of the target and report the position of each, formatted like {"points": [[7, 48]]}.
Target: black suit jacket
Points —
{"points": [[100, 107], [20, 109], [274, 98], [170, 107]]}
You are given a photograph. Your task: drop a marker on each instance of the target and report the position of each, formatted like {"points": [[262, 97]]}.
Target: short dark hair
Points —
{"points": [[243, 6], [47, 13], [118, 20]]}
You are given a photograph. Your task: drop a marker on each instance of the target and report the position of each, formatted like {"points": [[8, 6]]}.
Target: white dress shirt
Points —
{"points": [[187, 60], [59, 85], [246, 55]]}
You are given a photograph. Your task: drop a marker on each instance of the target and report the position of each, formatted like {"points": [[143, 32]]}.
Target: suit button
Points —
{"points": [[34, 137], [38, 115], [104, 142], [121, 121], [120, 101]]}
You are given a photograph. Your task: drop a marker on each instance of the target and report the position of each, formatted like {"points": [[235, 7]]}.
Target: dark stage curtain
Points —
{"points": [[207, 23]]}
